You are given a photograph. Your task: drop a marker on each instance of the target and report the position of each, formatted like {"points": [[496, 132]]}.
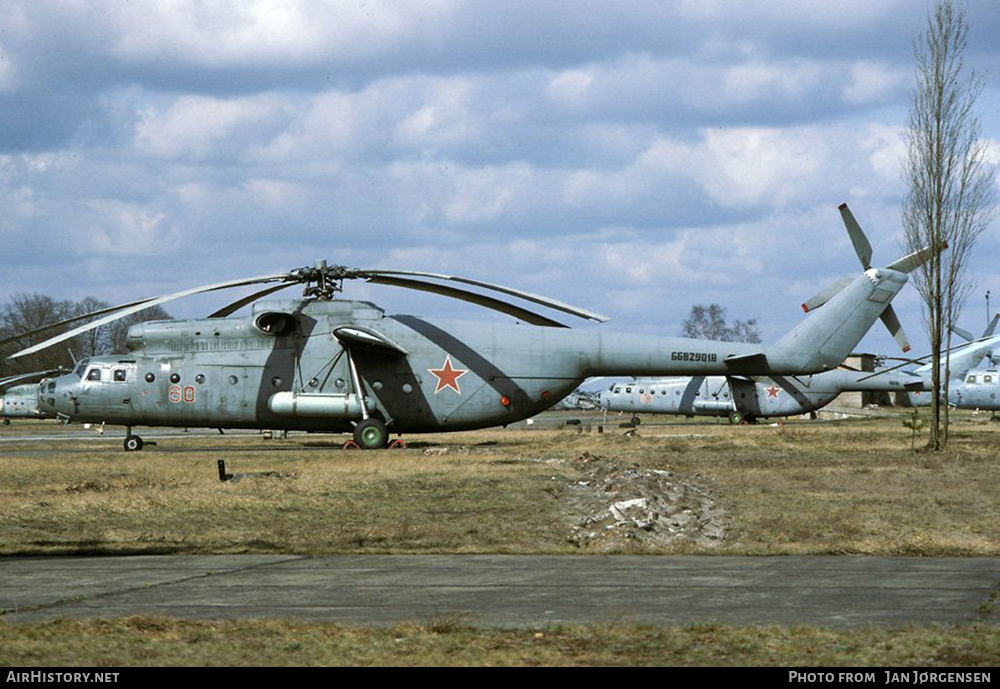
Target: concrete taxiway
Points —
{"points": [[507, 591]]}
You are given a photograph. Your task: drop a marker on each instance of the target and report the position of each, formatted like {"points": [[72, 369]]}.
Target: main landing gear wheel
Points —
{"points": [[371, 434], [635, 421], [133, 443], [736, 418]]}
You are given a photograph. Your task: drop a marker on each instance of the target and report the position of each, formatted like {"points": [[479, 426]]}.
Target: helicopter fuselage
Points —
{"points": [[299, 365], [289, 366]]}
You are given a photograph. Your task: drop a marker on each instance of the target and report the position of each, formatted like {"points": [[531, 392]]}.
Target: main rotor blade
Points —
{"points": [[891, 321], [862, 246], [145, 304], [13, 380], [964, 334], [74, 319], [527, 296], [921, 359], [240, 303], [480, 299]]}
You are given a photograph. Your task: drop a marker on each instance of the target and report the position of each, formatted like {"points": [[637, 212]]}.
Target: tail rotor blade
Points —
{"points": [[862, 246], [826, 294], [891, 321], [910, 262]]}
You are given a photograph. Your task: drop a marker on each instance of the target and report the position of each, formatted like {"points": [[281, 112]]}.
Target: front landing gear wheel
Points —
{"points": [[736, 418], [133, 443], [371, 434]]}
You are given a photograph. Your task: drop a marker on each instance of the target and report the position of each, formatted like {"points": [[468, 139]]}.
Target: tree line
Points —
{"points": [[26, 312]]}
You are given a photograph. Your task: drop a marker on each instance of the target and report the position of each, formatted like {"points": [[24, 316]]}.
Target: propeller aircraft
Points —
{"points": [[325, 364], [745, 399]]}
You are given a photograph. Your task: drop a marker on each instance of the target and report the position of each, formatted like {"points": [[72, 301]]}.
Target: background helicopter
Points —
{"points": [[20, 399], [332, 365], [747, 399], [959, 366]]}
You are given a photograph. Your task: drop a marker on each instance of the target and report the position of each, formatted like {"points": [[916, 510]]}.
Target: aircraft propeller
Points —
{"points": [[321, 281], [863, 248]]}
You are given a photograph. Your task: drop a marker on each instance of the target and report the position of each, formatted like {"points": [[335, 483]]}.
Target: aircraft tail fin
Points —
{"points": [[829, 335]]}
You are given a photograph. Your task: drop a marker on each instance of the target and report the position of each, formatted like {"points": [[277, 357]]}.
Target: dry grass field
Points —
{"points": [[818, 488], [851, 487]]}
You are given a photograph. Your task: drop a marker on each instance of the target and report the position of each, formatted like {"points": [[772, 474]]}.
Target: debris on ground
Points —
{"points": [[621, 506]]}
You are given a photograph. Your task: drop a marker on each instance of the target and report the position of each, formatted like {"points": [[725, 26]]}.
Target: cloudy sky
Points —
{"points": [[633, 158]]}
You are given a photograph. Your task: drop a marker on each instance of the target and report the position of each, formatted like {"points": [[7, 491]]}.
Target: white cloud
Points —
{"points": [[202, 126], [127, 229], [875, 82], [269, 32]]}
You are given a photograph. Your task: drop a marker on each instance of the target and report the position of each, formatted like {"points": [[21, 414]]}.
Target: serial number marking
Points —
{"points": [[702, 357]]}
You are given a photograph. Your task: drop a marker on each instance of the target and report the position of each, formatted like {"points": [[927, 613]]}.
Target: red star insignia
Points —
{"points": [[773, 391], [447, 376]]}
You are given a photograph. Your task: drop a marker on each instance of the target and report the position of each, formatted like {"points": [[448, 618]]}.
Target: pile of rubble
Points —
{"points": [[619, 507]]}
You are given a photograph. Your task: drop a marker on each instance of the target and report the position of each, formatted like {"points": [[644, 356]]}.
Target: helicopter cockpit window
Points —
{"points": [[971, 380], [94, 374], [119, 375], [628, 390], [617, 390], [987, 379]]}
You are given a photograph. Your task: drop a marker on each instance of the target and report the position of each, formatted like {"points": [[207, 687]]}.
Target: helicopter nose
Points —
{"points": [[54, 396]]}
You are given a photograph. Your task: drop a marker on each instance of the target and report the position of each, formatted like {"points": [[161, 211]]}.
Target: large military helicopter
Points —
{"points": [[324, 364]]}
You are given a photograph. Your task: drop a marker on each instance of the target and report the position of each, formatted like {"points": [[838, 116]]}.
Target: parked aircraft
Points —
{"points": [[962, 360], [330, 365], [749, 399]]}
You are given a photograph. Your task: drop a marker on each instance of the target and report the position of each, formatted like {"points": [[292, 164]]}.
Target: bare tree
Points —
{"points": [[709, 323], [951, 193], [26, 312]]}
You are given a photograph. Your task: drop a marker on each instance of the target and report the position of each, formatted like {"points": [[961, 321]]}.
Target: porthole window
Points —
{"points": [[175, 377], [200, 378], [313, 382], [150, 377], [233, 380], [377, 385], [407, 388], [276, 381], [339, 383]]}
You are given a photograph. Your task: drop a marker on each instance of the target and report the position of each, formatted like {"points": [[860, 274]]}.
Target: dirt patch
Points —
{"points": [[621, 506]]}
